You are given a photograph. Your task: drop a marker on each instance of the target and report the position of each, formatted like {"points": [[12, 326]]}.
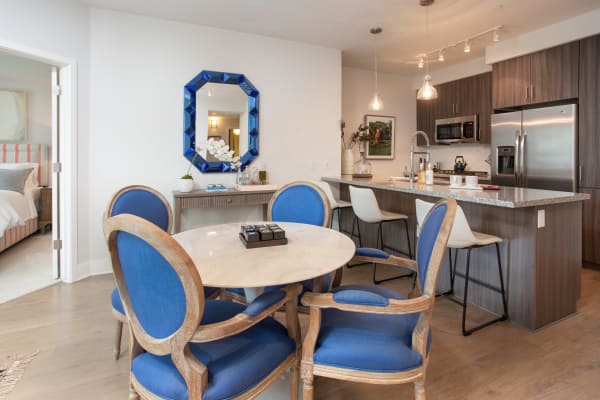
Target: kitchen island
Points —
{"points": [[541, 252]]}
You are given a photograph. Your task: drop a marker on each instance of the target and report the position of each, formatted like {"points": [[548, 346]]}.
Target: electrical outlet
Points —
{"points": [[541, 218]]}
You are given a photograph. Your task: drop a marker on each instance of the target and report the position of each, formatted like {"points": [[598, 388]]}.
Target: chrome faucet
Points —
{"points": [[413, 152]]}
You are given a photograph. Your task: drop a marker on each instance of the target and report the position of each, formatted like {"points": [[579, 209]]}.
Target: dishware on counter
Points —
{"points": [[471, 180], [459, 164], [455, 180], [429, 174]]}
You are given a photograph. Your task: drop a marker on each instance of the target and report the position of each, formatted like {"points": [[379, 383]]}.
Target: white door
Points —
{"points": [[56, 251]]}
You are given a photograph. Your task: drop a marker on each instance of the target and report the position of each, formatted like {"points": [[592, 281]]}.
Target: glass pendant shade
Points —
{"points": [[376, 103], [427, 91]]}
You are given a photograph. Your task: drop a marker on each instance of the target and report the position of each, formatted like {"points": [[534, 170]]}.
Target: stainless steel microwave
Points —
{"points": [[457, 130]]}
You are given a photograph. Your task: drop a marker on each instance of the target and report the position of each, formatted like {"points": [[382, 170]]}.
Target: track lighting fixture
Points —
{"points": [[421, 63], [496, 36], [467, 46], [441, 56]]}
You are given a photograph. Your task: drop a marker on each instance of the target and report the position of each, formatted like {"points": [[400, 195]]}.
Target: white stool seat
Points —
{"points": [[481, 239], [390, 216], [340, 204]]}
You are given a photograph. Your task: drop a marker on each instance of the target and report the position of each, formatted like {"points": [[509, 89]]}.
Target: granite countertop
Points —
{"points": [[509, 197]]}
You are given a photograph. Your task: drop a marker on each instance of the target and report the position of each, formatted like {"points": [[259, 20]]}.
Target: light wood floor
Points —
{"points": [[73, 327]]}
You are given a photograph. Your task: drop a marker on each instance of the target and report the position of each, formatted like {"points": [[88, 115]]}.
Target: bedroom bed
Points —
{"points": [[19, 211]]}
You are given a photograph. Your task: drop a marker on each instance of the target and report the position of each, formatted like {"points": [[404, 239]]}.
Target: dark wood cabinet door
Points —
{"points": [[510, 82], [591, 226], [483, 105], [554, 74], [426, 120], [589, 112], [447, 95]]}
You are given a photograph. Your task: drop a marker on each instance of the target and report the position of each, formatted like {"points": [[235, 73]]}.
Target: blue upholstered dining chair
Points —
{"points": [[147, 203], [371, 334], [184, 346], [302, 202]]}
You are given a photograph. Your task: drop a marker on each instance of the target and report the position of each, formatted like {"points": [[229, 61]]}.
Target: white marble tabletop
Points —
{"points": [[223, 261], [509, 197]]}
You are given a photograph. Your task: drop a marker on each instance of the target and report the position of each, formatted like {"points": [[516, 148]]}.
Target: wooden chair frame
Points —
{"points": [[176, 345], [422, 304]]}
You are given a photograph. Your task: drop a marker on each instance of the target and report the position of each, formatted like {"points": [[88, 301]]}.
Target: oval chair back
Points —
{"points": [[433, 238], [160, 287], [461, 233], [143, 201], [302, 202], [364, 205]]}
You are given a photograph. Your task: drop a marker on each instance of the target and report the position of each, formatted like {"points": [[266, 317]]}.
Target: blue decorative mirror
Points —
{"points": [[223, 107]]}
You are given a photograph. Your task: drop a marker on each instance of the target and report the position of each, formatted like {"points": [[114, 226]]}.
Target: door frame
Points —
{"points": [[67, 139]]}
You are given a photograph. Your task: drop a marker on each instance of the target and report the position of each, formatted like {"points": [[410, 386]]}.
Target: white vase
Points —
{"points": [[186, 185], [347, 161]]}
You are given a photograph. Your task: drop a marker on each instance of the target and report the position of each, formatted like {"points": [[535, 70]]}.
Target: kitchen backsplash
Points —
{"points": [[474, 154]]}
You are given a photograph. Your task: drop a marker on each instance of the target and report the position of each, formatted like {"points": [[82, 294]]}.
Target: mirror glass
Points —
{"points": [[220, 106], [221, 114]]}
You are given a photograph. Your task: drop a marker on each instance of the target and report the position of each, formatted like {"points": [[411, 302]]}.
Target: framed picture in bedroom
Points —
{"points": [[13, 116], [382, 130]]}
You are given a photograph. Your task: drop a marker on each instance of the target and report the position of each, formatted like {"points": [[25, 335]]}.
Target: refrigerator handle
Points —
{"points": [[517, 158], [522, 168]]}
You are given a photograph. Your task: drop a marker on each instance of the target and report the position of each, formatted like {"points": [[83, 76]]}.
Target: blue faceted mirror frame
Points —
{"points": [[189, 120]]}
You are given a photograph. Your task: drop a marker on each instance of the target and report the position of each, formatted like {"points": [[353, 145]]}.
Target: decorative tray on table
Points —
{"points": [[254, 236]]}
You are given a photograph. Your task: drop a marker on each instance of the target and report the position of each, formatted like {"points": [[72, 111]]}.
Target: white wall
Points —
{"points": [[34, 78], [139, 68], [399, 101]]}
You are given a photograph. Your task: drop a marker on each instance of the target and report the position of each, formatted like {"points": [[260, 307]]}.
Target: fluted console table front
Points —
{"points": [[218, 199]]}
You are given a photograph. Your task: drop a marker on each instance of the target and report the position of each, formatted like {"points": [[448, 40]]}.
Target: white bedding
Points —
{"points": [[16, 208]]}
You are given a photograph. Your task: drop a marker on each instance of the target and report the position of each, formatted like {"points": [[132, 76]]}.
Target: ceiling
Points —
{"points": [[345, 24]]}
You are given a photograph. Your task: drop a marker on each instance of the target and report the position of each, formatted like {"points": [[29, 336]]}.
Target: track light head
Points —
{"points": [[467, 46], [441, 56], [421, 63], [496, 36]]}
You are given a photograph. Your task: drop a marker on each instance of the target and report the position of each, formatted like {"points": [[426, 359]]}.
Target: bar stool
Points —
{"points": [[366, 209], [463, 238], [336, 205]]}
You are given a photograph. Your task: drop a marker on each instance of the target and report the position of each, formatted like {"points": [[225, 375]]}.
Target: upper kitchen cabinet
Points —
{"points": [[589, 116], [541, 77], [463, 97]]}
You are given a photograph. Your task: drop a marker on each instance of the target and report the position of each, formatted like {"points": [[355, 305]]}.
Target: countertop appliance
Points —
{"points": [[536, 148], [457, 130]]}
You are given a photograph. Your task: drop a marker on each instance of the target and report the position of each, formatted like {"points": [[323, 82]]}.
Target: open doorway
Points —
{"points": [[31, 245]]}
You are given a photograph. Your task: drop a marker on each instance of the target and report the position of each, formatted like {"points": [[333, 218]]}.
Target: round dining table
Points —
{"points": [[223, 261]]}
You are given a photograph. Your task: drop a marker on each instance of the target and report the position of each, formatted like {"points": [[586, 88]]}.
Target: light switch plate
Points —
{"points": [[541, 218]]}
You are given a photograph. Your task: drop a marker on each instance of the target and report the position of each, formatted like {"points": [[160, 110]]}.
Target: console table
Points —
{"points": [[218, 199]]}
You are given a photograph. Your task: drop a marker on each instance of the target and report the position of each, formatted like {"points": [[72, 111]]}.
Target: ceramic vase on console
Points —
{"points": [[347, 161], [186, 185], [362, 168]]}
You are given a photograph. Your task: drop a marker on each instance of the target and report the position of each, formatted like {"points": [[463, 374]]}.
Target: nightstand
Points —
{"points": [[45, 217]]}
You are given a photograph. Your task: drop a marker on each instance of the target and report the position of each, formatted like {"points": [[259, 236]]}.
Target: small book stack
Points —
{"points": [[215, 187]]}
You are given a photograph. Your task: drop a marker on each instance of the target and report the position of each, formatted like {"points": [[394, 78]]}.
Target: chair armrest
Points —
{"points": [[261, 308], [408, 306], [391, 260]]}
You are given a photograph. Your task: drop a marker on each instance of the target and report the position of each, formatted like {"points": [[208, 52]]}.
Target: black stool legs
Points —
{"points": [[383, 247], [504, 316]]}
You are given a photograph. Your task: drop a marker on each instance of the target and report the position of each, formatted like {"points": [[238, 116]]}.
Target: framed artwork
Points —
{"points": [[382, 131], [13, 116]]}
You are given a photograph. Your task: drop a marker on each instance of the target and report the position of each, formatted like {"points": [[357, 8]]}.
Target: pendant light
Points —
{"points": [[427, 91], [376, 103]]}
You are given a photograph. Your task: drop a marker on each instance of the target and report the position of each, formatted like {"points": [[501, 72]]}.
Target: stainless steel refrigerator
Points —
{"points": [[536, 148]]}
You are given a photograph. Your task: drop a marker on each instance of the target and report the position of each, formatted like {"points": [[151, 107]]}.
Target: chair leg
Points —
{"points": [[504, 305], [294, 381], [119, 333], [419, 389], [358, 230], [339, 212], [307, 388], [467, 332], [380, 240], [408, 239], [451, 273], [464, 313]]}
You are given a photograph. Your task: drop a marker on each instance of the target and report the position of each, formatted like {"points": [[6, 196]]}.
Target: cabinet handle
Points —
{"points": [[456, 108], [526, 92], [532, 95]]}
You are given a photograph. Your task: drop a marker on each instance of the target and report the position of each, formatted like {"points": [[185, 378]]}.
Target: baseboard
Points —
{"points": [[99, 266]]}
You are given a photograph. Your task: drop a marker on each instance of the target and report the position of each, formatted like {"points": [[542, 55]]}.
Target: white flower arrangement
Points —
{"points": [[220, 150]]}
